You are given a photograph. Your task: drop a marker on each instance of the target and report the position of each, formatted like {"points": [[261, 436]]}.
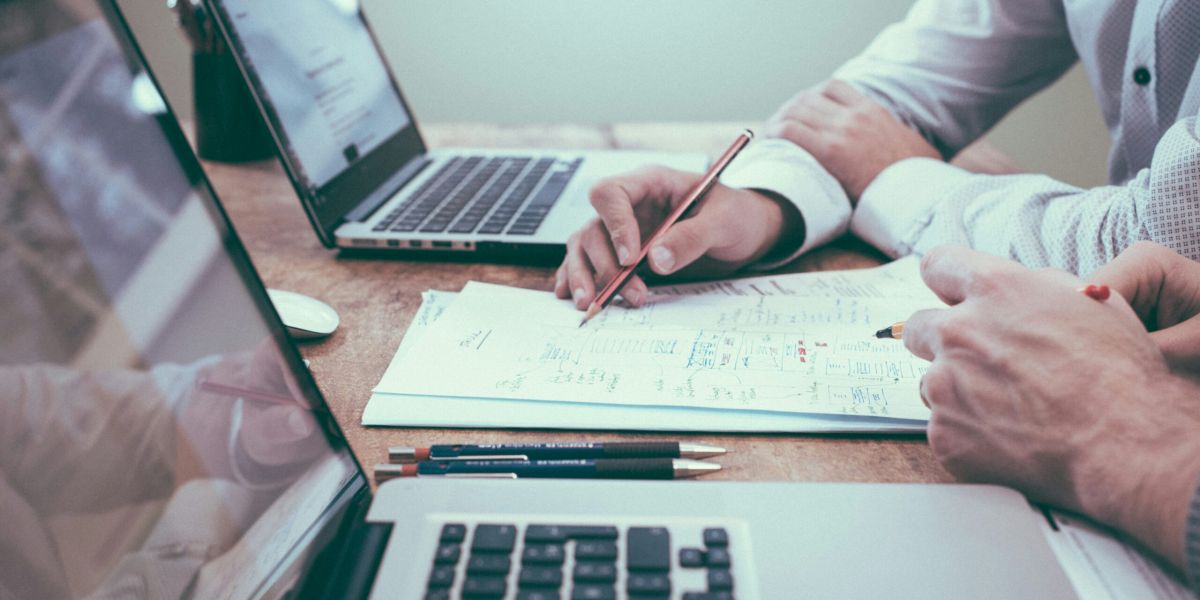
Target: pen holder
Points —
{"points": [[229, 127]]}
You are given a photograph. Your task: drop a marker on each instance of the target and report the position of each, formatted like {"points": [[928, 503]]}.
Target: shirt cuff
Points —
{"points": [[1191, 544], [899, 204], [783, 168]]}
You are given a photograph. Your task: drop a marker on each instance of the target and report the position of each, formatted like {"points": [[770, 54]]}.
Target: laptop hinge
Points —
{"points": [[389, 188]]}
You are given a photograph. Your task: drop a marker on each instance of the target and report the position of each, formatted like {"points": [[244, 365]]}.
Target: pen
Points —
{"points": [[237, 392], [697, 193], [553, 450], [619, 468], [1099, 293]]}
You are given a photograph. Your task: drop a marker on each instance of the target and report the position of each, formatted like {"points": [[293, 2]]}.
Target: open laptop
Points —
{"points": [[162, 438], [351, 146]]}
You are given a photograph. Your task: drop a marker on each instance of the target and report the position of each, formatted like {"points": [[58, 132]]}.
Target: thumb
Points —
{"points": [[685, 242], [1180, 345]]}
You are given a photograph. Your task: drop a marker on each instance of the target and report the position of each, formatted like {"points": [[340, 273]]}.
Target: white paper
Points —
{"points": [[765, 353], [398, 410]]}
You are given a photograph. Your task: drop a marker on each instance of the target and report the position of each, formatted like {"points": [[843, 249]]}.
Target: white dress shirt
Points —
{"points": [[953, 68]]}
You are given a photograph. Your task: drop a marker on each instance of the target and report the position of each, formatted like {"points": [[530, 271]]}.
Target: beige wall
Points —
{"points": [[595, 61]]}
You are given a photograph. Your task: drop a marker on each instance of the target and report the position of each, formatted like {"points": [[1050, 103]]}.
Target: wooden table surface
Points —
{"points": [[377, 298]]}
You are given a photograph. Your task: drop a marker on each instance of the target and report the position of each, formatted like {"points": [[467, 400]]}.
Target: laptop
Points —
{"points": [[162, 438], [352, 149]]}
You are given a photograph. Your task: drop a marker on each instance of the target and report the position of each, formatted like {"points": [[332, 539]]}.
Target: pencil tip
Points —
{"points": [[884, 333]]}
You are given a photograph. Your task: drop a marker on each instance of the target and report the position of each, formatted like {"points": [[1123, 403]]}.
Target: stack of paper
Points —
{"points": [[777, 353]]}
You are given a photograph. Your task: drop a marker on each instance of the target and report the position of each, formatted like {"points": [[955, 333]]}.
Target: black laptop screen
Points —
{"points": [[158, 436]]}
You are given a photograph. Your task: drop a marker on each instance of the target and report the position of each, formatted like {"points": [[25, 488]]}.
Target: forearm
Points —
{"points": [[953, 68]]}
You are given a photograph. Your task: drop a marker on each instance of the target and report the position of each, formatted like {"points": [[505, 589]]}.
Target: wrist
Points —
{"points": [[785, 227], [1143, 478]]}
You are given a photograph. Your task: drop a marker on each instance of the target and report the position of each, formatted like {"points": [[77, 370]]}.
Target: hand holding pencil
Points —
{"points": [[730, 228]]}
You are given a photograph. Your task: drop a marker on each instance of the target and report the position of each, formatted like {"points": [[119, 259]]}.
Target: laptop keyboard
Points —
{"points": [[476, 194], [576, 562]]}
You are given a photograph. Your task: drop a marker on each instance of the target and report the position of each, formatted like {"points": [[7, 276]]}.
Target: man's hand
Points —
{"points": [[1164, 289], [854, 138], [729, 228], [1039, 387]]}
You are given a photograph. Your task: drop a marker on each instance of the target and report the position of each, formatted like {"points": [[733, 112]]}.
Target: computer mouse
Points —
{"points": [[306, 318]]}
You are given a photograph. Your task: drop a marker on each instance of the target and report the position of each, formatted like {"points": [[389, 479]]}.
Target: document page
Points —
{"points": [[786, 352]]}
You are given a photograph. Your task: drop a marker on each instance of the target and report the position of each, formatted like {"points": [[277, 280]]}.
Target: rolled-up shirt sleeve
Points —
{"points": [[919, 203], [787, 170]]}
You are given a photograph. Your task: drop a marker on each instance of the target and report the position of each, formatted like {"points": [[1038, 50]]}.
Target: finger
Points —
{"points": [[1162, 287], [635, 292], [688, 240], [923, 332], [796, 132], [561, 290], [599, 252], [842, 93], [812, 109], [270, 434], [580, 276], [615, 199], [956, 272], [1180, 345]]}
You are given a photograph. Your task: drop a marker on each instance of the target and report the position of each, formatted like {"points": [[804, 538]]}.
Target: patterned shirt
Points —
{"points": [[953, 68]]}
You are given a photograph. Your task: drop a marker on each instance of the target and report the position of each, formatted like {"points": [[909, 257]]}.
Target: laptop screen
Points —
{"points": [[341, 124], [159, 437], [327, 84]]}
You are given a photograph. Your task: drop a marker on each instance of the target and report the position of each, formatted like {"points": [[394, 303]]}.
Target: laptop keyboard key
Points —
{"points": [[691, 558], [453, 533], [488, 564], [719, 580], [543, 554], [484, 587], [717, 558], [494, 538], [716, 536], [561, 533], [447, 554], [437, 595], [592, 571], [648, 549], [543, 577], [538, 595], [640, 584], [595, 550], [707, 596], [593, 592], [441, 577]]}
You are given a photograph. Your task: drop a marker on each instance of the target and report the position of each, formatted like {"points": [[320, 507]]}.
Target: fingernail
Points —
{"points": [[623, 255], [663, 258], [578, 293]]}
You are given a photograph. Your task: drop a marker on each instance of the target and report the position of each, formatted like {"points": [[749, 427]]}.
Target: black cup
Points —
{"points": [[229, 127]]}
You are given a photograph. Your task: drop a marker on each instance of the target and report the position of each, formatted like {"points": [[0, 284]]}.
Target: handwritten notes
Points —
{"points": [[797, 344]]}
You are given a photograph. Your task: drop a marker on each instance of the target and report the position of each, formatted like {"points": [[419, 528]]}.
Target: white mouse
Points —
{"points": [[305, 317]]}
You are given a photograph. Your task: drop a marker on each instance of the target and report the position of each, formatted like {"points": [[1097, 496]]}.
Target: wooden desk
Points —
{"points": [[377, 298]]}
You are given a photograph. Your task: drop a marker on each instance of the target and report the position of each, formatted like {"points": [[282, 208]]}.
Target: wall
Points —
{"points": [[593, 61]]}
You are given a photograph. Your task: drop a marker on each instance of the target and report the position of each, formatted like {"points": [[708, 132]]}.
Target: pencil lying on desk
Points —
{"points": [[697, 193]]}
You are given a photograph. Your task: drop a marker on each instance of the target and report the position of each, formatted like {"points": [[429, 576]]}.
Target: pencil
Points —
{"points": [[1099, 293], [239, 392], [697, 193]]}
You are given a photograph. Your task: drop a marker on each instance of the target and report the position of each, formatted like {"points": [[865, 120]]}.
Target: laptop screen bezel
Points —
{"points": [[328, 204], [356, 491]]}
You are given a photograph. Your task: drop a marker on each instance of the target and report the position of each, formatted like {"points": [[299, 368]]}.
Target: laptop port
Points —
{"points": [[443, 244]]}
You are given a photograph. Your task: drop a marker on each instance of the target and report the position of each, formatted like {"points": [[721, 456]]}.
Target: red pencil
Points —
{"points": [[606, 295]]}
